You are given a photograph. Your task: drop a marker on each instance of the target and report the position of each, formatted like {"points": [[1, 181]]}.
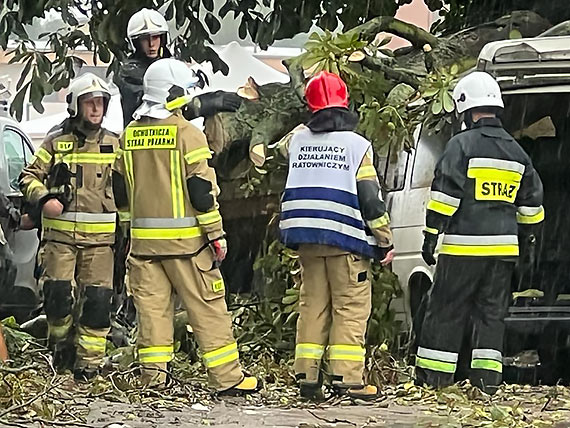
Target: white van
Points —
{"points": [[534, 75]]}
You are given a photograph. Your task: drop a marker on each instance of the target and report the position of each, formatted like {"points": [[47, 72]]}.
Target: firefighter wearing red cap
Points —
{"points": [[333, 214]]}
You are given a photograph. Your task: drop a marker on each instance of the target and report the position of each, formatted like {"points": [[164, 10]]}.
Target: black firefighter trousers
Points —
{"points": [[465, 288]]}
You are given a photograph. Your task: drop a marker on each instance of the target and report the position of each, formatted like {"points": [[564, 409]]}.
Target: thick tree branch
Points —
{"points": [[297, 75], [417, 36], [393, 73]]}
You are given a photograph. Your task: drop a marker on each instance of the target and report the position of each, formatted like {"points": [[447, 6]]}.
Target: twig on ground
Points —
{"points": [[12, 424], [46, 390], [18, 369], [331, 421]]}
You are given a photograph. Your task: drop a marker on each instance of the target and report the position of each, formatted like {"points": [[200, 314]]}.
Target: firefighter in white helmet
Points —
{"points": [[485, 194], [177, 238], [69, 179], [149, 38]]}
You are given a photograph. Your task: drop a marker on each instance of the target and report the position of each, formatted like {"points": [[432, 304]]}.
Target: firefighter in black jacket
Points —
{"points": [[485, 194], [148, 35]]}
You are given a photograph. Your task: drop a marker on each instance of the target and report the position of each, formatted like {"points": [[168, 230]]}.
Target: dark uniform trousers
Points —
{"points": [[476, 287]]}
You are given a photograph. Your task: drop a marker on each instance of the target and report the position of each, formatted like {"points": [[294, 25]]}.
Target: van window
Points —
{"points": [[394, 171], [429, 150], [17, 152]]}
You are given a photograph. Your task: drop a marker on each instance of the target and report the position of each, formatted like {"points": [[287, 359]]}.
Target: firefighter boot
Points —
{"points": [[58, 305], [366, 393], [249, 385]]}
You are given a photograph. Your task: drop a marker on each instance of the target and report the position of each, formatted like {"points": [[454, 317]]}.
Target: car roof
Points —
{"points": [[527, 50]]}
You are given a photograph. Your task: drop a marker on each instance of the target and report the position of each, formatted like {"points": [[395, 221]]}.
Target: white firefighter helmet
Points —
{"points": [[168, 79], [168, 85], [146, 22], [86, 84], [478, 89]]}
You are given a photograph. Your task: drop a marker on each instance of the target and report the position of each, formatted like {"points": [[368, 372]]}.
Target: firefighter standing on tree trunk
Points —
{"points": [[176, 231], [333, 214], [484, 195], [70, 179], [149, 37]]}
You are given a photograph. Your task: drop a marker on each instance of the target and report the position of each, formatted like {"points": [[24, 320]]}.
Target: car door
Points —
{"points": [[15, 152]]}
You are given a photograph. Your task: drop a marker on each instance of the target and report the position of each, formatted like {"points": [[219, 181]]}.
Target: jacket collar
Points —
{"points": [[333, 119], [488, 121]]}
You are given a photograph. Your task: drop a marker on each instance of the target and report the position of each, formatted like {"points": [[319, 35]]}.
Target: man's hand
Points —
{"points": [[388, 258], [27, 222], [428, 249], [52, 208], [220, 249]]}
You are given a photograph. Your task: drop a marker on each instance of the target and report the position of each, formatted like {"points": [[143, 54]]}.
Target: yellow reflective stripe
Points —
{"points": [[178, 102], [366, 172], [93, 343], [209, 218], [124, 216], [494, 174], [438, 366], [43, 155], [441, 208], [347, 352], [34, 184], [61, 328], [431, 230], [155, 354], [484, 364], [76, 226], [176, 185], [198, 155], [379, 222], [311, 351], [221, 356], [89, 158], [530, 219], [170, 233], [480, 250], [129, 172]]}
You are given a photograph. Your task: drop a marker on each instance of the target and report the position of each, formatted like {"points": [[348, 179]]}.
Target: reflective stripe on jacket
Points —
{"points": [[485, 187], [158, 157], [90, 217]]}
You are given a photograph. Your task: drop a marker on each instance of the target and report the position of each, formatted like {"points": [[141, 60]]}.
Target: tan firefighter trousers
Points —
{"points": [[334, 307], [154, 282], [89, 268]]}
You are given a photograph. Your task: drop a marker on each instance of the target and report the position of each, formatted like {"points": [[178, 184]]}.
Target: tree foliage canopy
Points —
{"points": [[100, 26]]}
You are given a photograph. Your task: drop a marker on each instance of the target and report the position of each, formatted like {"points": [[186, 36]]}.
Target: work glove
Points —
{"points": [[214, 102], [220, 249], [428, 249]]}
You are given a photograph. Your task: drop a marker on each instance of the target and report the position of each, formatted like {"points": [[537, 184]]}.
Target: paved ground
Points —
{"points": [[232, 414]]}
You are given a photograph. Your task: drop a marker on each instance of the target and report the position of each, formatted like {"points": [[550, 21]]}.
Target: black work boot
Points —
{"points": [[311, 391], [85, 374], [64, 355]]}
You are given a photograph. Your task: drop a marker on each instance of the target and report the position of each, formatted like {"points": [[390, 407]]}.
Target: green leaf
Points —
{"points": [[208, 4], [288, 300], [242, 30], [454, 70], [17, 105], [213, 24], [430, 92], [24, 74], [436, 107], [448, 104]]}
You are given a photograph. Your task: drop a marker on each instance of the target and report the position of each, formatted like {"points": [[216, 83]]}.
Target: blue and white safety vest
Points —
{"points": [[320, 204]]}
